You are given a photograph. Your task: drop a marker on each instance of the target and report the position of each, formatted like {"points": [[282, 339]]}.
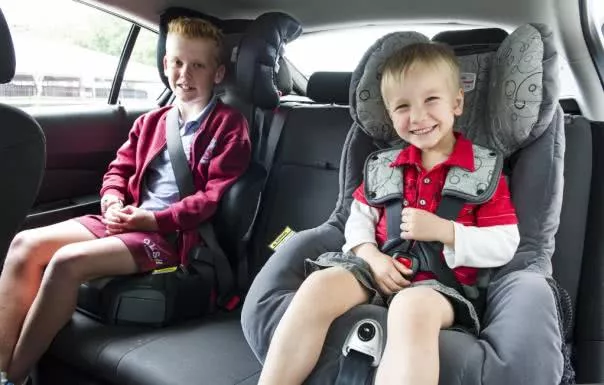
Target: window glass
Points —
{"points": [[142, 84], [68, 58], [341, 50]]}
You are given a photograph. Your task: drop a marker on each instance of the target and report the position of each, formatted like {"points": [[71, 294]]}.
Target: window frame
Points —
{"points": [[591, 32]]}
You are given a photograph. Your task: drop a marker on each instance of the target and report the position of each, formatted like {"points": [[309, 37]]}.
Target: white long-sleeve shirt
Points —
{"points": [[480, 247]]}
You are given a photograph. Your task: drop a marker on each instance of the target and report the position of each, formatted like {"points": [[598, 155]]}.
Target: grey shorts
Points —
{"points": [[466, 318]]}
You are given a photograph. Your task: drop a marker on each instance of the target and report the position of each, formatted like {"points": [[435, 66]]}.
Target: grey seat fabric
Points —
{"points": [[501, 355], [22, 151]]}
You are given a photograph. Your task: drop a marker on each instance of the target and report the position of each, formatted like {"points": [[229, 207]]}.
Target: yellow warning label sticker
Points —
{"points": [[285, 235], [165, 270]]}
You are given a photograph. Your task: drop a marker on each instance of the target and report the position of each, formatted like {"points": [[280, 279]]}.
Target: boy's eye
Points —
{"points": [[432, 98], [401, 107]]}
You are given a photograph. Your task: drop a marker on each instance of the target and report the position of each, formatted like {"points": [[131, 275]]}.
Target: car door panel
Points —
{"points": [[81, 141]]}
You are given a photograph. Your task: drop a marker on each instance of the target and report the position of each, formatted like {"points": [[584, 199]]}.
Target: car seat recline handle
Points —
{"points": [[362, 352]]}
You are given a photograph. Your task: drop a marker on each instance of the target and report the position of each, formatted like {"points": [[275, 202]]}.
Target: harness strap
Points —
{"points": [[394, 207], [449, 209]]}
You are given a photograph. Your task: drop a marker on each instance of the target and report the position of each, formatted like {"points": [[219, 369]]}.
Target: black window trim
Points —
{"points": [[592, 40]]}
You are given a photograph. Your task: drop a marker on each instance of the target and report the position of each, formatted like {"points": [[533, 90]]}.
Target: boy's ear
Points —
{"points": [[458, 108], [165, 61], [220, 72]]}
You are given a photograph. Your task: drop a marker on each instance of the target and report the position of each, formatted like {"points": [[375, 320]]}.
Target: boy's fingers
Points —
{"points": [[404, 270], [399, 280]]}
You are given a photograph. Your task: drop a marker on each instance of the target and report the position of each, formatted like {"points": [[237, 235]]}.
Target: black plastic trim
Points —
{"points": [[590, 34], [123, 63]]}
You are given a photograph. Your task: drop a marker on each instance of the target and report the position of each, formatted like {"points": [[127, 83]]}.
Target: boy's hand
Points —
{"points": [[387, 272], [130, 218], [421, 225]]}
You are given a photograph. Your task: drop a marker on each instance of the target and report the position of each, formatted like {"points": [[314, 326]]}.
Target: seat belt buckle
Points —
{"points": [[408, 261], [228, 302]]}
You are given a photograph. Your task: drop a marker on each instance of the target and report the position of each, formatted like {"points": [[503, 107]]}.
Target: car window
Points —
{"points": [[142, 84], [341, 50], [67, 54]]}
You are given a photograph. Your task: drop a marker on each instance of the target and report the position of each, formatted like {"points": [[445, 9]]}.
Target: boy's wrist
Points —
{"points": [[447, 233]]}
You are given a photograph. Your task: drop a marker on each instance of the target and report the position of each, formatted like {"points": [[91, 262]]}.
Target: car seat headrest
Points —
{"points": [[7, 63], [329, 87], [366, 104], [511, 94], [258, 56], [251, 57]]}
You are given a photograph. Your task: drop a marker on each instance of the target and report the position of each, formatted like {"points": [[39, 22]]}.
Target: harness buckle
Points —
{"points": [[410, 262]]}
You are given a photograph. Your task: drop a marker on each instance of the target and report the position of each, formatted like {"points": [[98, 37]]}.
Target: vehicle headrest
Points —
{"points": [[251, 57], [514, 90], [7, 63], [472, 40], [329, 87]]}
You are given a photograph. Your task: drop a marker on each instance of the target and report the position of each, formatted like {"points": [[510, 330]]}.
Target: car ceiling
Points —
{"points": [[561, 15]]}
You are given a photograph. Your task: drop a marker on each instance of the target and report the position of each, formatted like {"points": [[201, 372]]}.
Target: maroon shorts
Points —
{"points": [[150, 250]]}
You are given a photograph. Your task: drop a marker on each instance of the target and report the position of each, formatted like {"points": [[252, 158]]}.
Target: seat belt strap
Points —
{"points": [[274, 135], [184, 180]]}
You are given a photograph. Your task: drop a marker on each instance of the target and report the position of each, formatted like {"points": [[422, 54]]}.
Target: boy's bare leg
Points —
{"points": [[415, 318], [56, 300], [25, 261], [298, 340]]}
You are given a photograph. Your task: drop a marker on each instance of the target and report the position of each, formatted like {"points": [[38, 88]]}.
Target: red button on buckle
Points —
{"points": [[405, 261]]}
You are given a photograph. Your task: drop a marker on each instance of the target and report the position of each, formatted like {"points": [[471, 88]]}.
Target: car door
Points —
{"points": [[85, 75]]}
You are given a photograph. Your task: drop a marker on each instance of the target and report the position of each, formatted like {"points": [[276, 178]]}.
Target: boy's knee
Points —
{"points": [[323, 281], [416, 304], [21, 249], [329, 290], [66, 264]]}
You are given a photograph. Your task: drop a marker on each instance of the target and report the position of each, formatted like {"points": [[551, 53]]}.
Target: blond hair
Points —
{"points": [[196, 28], [427, 54]]}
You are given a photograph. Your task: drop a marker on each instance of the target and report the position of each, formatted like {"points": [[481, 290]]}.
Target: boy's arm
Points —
{"points": [[228, 163], [482, 247], [494, 239], [360, 226], [115, 180]]}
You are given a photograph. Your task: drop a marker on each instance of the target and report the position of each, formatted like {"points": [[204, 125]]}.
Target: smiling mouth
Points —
{"points": [[185, 87], [424, 131]]}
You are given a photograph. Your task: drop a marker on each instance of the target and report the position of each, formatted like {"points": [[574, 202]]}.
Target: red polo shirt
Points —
{"points": [[423, 190]]}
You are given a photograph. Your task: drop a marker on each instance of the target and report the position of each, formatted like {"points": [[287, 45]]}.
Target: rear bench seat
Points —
{"points": [[301, 192], [302, 187]]}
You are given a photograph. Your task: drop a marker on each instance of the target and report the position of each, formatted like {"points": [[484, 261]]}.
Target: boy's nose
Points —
{"points": [[185, 70], [417, 114]]}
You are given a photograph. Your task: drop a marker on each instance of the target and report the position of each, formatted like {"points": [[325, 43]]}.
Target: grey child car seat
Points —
{"points": [[511, 106]]}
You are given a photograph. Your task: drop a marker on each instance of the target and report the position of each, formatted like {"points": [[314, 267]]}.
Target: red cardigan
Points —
{"points": [[222, 141]]}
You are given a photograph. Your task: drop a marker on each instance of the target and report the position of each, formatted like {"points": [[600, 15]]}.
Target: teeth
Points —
{"points": [[422, 131]]}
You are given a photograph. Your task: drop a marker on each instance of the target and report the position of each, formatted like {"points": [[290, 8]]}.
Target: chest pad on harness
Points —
{"points": [[384, 183]]}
